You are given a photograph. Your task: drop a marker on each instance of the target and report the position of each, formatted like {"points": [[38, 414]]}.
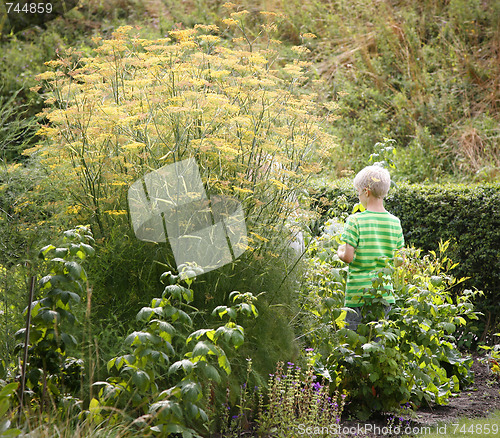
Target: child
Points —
{"points": [[370, 237]]}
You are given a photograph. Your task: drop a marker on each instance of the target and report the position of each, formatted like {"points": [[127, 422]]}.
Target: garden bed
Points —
{"points": [[481, 399]]}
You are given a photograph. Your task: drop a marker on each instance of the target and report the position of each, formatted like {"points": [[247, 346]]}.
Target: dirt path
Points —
{"points": [[479, 400]]}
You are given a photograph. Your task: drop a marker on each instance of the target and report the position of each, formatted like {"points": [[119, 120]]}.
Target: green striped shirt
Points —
{"points": [[375, 236]]}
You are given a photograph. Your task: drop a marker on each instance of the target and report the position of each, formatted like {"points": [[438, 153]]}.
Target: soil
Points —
{"points": [[481, 399]]}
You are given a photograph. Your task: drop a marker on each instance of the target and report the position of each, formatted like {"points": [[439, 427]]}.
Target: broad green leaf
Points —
{"points": [[224, 363], [174, 291], [208, 371], [68, 340], [185, 364], [9, 389], [141, 379], [138, 338], [191, 391], [192, 411], [45, 250], [203, 348], [87, 249], [220, 310], [146, 313], [374, 377], [199, 333], [75, 271], [4, 406], [237, 338], [48, 316]]}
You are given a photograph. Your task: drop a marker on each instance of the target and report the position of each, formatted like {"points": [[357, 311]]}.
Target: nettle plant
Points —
{"points": [[166, 378], [51, 372], [220, 96], [408, 355]]}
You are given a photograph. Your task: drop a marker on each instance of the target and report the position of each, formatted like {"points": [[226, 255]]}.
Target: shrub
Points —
{"points": [[167, 377], [407, 355], [51, 372]]}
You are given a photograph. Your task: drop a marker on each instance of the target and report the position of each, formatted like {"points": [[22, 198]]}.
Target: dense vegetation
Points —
{"points": [[275, 101]]}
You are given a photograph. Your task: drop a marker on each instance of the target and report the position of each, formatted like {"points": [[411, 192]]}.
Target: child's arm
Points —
{"points": [[346, 253]]}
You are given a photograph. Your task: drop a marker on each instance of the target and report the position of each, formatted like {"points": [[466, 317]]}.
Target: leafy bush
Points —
{"points": [[248, 125], [51, 372], [6, 394], [150, 367], [410, 354]]}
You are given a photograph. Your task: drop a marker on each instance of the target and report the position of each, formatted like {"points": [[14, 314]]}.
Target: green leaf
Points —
{"points": [[185, 364], [202, 348], [138, 338], [220, 310], [234, 295], [449, 327], [192, 411], [183, 317], [8, 390], [87, 249], [75, 271], [191, 391], [374, 377], [141, 379], [208, 371], [68, 340], [224, 363], [209, 333], [237, 338], [174, 291], [370, 347], [48, 316], [4, 406], [45, 250], [231, 313], [146, 313]]}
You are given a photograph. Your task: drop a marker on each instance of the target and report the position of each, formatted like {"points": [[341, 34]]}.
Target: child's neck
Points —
{"points": [[375, 204]]}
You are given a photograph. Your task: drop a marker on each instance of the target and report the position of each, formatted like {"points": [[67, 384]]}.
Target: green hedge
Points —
{"points": [[467, 215]]}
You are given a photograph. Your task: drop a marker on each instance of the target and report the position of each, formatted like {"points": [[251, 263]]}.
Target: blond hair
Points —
{"points": [[374, 178]]}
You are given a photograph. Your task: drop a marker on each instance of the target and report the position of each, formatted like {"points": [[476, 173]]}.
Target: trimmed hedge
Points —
{"points": [[467, 215]]}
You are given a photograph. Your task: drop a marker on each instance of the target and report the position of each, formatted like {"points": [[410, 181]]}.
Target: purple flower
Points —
{"points": [[317, 386]]}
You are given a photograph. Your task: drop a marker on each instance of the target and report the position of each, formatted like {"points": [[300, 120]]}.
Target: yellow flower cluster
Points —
{"points": [[134, 105]]}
